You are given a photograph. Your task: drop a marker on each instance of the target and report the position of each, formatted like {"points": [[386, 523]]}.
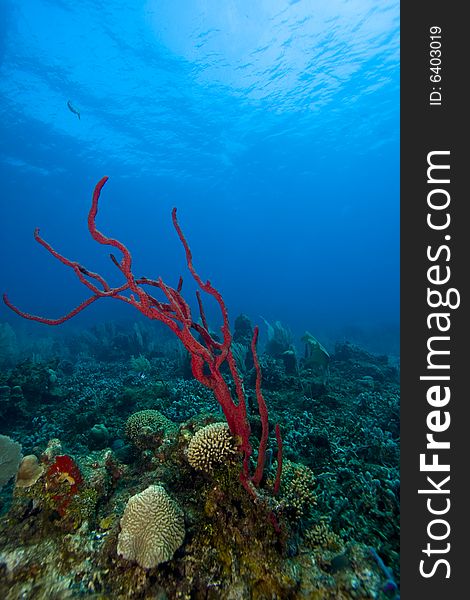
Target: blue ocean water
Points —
{"points": [[272, 126]]}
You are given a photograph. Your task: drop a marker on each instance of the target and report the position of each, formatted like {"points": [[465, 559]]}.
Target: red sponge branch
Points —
{"points": [[208, 355]]}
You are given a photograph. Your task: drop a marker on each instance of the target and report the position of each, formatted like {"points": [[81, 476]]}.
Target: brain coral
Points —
{"points": [[144, 426], [152, 528], [210, 446]]}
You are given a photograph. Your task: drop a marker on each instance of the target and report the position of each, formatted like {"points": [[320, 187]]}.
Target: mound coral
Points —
{"points": [[152, 528], [30, 470], [211, 446], [146, 427]]}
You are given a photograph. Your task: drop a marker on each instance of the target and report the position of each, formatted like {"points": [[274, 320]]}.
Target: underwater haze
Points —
{"points": [[273, 127]]}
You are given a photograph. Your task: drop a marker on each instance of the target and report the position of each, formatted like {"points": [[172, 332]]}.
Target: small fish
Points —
{"points": [[73, 109]]}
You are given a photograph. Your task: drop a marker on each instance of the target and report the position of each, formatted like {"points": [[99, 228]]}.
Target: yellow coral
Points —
{"points": [[211, 446], [320, 535], [297, 485]]}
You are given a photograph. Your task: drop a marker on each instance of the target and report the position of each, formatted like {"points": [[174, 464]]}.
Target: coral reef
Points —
{"points": [[134, 488], [335, 513]]}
